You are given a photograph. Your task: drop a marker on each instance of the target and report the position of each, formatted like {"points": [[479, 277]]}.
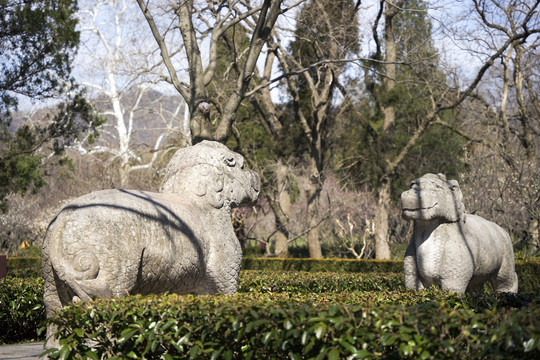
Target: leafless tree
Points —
{"points": [[328, 34], [201, 24], [212, 91], [440, 99], [121, 74], [512, 112]]}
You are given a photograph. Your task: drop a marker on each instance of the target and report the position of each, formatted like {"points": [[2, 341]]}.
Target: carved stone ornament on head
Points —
{"points": [[180, 240], [458, 252]]}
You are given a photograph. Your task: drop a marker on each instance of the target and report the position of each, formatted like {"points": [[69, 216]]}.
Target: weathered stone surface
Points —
{"points": [[180, 240], [458, 252]]}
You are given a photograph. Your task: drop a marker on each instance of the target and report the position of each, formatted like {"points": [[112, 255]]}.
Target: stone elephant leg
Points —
{"points": [[56, 295], [459, 286], [52, 304], [475, 287], [222, 281], [506, 280], [412, 280]]}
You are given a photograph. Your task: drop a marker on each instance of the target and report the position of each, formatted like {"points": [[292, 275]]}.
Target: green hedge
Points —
{"points": [[301, 282], [21, 309], [529, 277], [330, 265], [265, 295], [406, 325], [528, 272], [24, 266]]}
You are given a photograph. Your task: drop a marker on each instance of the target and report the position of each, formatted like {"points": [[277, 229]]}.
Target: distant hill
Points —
{"points": [[154, 114]]}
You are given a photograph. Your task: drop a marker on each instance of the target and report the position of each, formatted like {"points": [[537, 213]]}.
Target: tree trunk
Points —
{"points": [[534, 231], [123, 170], [200, 129], [281, 250], [382, 247], [313, 192], [283, 200], [390, 66], [527, 139], [503, 118], [314, 244]]}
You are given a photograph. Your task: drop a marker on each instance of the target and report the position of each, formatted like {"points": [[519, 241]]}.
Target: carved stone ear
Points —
{"points": [[200, 187], [215, 181], [441, 176], [216, 199], [458, 197], [214, 185]]}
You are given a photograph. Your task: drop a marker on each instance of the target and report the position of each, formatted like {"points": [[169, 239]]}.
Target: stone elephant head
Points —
{"points": [[213, 174], [433, 197]]}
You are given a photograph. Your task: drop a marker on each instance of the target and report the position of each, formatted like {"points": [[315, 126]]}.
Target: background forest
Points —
{"points": [[337, 104]]}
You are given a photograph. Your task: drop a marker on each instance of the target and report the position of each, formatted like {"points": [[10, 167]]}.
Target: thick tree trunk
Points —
{"points": [[382, 247], [314, 243], [527, 137], [281, 249], [123, 173], [390, 66], [534, 231], [283, 200], [200, 129], [313, 192]]}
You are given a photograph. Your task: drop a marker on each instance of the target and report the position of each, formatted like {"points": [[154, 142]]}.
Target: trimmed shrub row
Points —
{"points": [[327, 265], [528, 272], [301, 282], [24, 266], [279, 326], [529, 277], [21, 309]]}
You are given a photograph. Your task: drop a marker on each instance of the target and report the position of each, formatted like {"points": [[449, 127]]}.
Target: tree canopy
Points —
{"points": [[38, 40], [368, 145]]}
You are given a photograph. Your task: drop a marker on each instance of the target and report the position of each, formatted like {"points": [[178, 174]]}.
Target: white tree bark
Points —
{"points": [[121, 71]]}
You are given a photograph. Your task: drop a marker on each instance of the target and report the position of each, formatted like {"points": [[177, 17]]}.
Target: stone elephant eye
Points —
{"points": [[414, 185], [453, 185], [230, 162]]}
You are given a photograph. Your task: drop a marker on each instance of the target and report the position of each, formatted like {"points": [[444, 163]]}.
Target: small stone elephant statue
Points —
{"points": [[181, 240], [456, 251]]}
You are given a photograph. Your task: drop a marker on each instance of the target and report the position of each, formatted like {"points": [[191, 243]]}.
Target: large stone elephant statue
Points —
{"points": [[458, 252], [181, 240]]}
